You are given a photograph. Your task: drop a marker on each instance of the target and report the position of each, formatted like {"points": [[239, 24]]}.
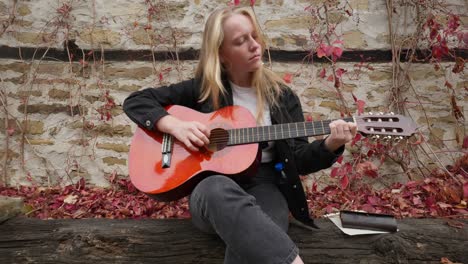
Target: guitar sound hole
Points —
{"points": [[218, 139]]}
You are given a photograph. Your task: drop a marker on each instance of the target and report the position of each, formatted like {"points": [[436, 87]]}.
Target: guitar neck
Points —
{"points": [[250, 135]]}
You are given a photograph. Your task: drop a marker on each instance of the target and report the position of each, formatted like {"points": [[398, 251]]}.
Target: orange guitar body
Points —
{"points": [[187, 168]]}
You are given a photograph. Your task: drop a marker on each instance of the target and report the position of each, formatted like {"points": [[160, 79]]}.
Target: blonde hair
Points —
{"points": [[266, 83]]}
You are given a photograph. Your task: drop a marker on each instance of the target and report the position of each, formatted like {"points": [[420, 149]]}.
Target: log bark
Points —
{"points": [[27, 240]]}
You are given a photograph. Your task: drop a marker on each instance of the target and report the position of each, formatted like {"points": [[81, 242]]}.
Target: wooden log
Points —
{"points": [[27, 240]]}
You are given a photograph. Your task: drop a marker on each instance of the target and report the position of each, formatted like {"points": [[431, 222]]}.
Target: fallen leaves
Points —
{"points": [[82, 201], [438, 195]]}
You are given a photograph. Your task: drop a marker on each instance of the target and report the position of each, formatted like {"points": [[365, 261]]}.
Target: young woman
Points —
{"points": [[251, 217]]}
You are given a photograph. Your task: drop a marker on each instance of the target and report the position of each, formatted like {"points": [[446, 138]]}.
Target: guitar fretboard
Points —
{"points": [[249, 135]]}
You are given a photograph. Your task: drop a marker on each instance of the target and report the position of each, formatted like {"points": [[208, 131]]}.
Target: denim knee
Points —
{"points": [[213, 188], [209, 200]]}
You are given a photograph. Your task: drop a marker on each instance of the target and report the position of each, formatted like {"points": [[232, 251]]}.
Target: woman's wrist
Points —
{"points": [[166, 123]]}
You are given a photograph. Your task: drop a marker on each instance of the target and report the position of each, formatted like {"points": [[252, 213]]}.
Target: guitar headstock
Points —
{"points": [[385, 125]]}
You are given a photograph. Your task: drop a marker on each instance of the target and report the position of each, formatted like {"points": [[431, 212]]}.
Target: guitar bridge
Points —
{"points": [[166, 149]]}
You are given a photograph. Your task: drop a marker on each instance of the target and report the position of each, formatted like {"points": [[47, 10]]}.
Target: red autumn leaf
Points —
{"points": [[348, 167], [329, 50], [430, 201], [368, 208], [360, 106], [453, 23], [314, 187], [434, 33], [322, 73], [371, 173], [252, 2], [443, 205], [334, 172], [337, 52], [340, 159], [416, 200], [322, 50], [356, 139], [330, 209], [330, 78], [236, 2], [373, 200], [339, 72], [344, 181], [287, 78], [365, 168]]}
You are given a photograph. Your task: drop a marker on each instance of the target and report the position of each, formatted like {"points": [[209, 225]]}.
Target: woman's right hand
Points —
{"points": [[191, 133]]}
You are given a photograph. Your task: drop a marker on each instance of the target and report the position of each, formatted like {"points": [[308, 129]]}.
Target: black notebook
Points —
{"points": [[369, 221]]}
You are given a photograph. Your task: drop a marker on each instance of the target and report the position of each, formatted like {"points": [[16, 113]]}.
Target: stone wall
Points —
{"points": [[66, 109]]}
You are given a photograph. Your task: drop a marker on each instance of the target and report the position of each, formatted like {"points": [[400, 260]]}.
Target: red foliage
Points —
{"points": [[439, 195], [329, 51], [287, 78], [106, 109], [81, 201]]}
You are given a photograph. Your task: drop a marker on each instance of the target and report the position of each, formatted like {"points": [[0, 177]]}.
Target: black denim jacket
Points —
{"points": [[146, 107]]}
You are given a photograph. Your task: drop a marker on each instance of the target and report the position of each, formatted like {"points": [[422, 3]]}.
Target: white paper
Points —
{"points": [[335, 218]]}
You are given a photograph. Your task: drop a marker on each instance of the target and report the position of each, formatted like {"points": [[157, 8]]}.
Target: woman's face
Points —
{"points": [[240, 52]]}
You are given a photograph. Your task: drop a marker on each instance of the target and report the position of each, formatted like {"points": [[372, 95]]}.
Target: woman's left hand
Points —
{"points": [[342, 132]]}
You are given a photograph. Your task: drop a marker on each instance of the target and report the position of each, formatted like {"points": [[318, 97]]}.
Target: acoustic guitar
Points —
{"points": [[162, 167]]}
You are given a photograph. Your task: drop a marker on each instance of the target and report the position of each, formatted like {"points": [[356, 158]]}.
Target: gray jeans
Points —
{"points": [[251, 218]]}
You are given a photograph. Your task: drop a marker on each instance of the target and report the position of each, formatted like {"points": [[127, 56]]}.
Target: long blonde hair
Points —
{"points": [[266, 83]]}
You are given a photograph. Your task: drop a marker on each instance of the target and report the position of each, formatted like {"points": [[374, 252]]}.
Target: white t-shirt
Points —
{"points": [[246, 97]]}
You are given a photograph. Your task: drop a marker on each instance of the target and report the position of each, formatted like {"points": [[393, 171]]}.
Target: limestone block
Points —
{"points": [[354, 39], [10, 207], [115, 147], [23, 10], [100, 36], [114, 161]]}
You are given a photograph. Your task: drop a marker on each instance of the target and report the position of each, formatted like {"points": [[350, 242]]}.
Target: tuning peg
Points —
{"points": [[376, 137], [392, 113], [370, 113], [381, 113]]}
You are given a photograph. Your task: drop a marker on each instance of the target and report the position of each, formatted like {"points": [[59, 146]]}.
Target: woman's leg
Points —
{"points": [[219, 204]]}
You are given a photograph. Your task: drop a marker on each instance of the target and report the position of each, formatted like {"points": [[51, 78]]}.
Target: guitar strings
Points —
{"points": [[219, 137]]}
